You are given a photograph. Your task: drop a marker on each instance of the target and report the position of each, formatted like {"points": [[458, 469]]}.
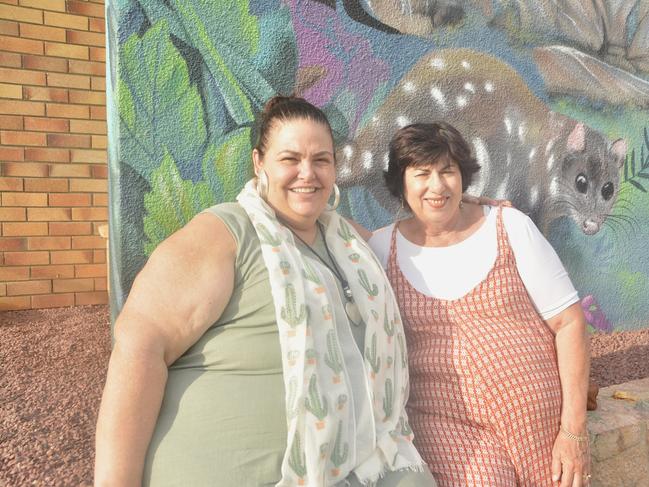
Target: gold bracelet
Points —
{"points": [[577, 438]]}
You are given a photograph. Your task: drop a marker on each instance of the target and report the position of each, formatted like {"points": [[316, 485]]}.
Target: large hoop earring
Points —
{"points": [[262, 184], [336, 202]]}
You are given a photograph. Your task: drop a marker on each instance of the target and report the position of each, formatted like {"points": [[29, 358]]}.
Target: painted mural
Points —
{"points": [[553, 97]]}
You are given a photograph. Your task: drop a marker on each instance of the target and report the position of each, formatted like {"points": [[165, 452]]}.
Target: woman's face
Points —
{"points": [[299, 163], [434, 191]]}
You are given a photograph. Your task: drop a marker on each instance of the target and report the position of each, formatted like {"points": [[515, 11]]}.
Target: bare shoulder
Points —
{"points": [[360, 229]]}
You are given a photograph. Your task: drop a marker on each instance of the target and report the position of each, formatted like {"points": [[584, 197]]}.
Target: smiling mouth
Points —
{"points": [[436, 202], [304, 190]]}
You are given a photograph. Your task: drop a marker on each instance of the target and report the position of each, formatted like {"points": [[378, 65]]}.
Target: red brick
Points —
{"points": [[90, 270], [8, 137], [70, 228], [88, 156], [10, 59], [9, 28], [3, 288], [47, 124], [12, 154], [42, 32], [52, 271], [71, 257], [57, 49], [11, 91], [47, 155], [27, 258], [21, 14], [98, 83], [48, 243], [66, 20], [68, 80], [14, 273], [88, 97], [24, 199], [97, 297], [67, 111], [28, 288], [70, 170], [88, 185], [89, 242], [91, 214], [70, 199], [101, 284], [22, 76], [17, 44], [10, 2], [68, 140], [99, 256], [11, 122], [45, 5], [16, 302], [98, 113], [48, 214], [16, 107], [52, 301], [11, 184], [98, 54], [26, 169], [99, 141], [13, 244], [24, 229], [13, 214], [87, 67], [86, 9], [100, 199], [44, 63], [86, 38], [88, 127], [46, 185], [45, 94], [97, 25]]}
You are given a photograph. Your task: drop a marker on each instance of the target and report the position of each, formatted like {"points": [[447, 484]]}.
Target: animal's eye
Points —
{"points": [[581, 183], [607, 191]]}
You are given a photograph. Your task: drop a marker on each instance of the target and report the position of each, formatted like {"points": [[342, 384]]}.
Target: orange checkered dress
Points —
{"points": [[485, 394]]}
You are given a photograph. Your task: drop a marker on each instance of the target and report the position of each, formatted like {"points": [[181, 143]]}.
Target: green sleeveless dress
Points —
{"points": [[222, 421]]}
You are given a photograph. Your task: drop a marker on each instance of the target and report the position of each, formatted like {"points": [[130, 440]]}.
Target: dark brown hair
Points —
{"points": [[282, 108], [422, 144]]}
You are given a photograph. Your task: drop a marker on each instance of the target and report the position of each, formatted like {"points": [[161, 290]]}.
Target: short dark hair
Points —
{"points": [[422, 144], [282, 108]]}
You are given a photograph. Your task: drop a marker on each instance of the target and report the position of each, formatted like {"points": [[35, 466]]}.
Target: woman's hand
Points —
{"points": [[483, 200], [570, 461]]}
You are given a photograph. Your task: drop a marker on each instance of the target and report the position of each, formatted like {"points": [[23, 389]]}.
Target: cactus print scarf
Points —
{"points": [[345, 410]]}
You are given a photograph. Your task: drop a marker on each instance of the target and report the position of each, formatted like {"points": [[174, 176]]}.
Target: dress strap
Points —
{"points": [[392, 255]]}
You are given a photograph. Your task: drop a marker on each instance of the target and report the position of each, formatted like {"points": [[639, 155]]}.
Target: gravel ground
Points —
{"points": [[53, 365]]}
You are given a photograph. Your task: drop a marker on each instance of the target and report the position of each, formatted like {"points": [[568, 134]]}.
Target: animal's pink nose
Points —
{"points": [[590, 227]]}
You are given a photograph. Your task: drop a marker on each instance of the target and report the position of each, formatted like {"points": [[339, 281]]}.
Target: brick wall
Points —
{"points": [[53, 188]]}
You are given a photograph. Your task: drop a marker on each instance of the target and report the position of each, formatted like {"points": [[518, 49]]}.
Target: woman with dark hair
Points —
{"points": [[261, 344], [496, 336]]}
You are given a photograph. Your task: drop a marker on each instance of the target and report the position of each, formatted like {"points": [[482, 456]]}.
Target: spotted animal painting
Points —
{"points": [[547, 164]]}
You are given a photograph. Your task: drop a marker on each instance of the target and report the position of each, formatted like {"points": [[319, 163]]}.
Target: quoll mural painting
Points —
{"points": [[553, 96]]}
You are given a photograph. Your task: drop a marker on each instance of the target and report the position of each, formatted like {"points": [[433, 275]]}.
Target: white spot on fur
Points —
{"points": [[554, 187], [348, 152], [409, 87], [550, 145], [482, 155], [469, 87], [402, 121], [509, 158], [508, 125], [488, 86], [438, 96], [367, 159], [345, 172], [461, 101], [550, 161], [386, 161], [438, 63], [534, 195], [532, 153], [522, 130], [502, 188], [375, 119], [466, 64]]}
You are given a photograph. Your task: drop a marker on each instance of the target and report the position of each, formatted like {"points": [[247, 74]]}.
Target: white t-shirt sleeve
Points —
{"points": [[539, 266], [379, 242]]}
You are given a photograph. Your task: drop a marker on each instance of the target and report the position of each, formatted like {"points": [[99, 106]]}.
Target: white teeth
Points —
{"points": [[303, 190]]}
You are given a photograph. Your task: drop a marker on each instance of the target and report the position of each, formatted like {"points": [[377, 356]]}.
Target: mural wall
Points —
{"points": [[553, 97]]}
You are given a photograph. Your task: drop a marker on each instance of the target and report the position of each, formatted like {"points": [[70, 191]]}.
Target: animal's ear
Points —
{"points": [[618, 149], [577, 138]]}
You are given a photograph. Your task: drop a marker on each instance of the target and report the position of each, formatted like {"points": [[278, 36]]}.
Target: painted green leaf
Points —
{"points": [[159, 109], [171, 203]]}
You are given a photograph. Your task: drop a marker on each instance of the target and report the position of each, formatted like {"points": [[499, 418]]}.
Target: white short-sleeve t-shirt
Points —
{"points": [[452, 272]]}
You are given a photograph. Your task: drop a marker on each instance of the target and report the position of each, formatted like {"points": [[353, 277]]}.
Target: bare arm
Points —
{"points": [[570, 457], [180, 292]]}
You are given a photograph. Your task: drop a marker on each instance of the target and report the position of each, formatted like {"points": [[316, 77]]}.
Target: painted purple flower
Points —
{"points": [[594, 315]]}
